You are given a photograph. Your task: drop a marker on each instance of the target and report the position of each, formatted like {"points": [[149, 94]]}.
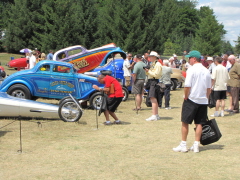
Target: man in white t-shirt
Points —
{"points": [[211, 64], [196, 92], [32, 60], [219, 83]]}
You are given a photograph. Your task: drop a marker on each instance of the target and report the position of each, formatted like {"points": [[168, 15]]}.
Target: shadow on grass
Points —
{"points": [[2, 133], [175, 107], [122, 123], [81, 122], [166, 118], [230, 114], [212, 146]]}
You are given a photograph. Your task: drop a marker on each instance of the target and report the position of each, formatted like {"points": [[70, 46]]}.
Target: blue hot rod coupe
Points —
{"points": [[51, 79]]}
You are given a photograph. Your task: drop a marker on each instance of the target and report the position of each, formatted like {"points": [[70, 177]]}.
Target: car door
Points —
{"points": [[41, 81], [62, 82]]}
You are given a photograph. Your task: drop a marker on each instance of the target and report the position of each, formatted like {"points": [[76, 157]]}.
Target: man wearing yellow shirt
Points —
{"points": [[154, 73]]}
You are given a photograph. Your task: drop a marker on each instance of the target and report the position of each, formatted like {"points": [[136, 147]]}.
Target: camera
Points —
{"points": [[146, 67]]}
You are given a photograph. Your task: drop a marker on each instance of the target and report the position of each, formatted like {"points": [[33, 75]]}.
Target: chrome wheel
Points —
{"points": [[69, 111], [97, 101], [18, 93]]}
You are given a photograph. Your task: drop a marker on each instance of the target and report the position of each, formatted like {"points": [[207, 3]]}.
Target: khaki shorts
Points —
{"points": [[127, 80], [138, 86]]}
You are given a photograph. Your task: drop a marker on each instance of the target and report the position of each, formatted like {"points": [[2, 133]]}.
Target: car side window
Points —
{"points": [[73, 52], [61, 69], [61, 55], [45, 68]]}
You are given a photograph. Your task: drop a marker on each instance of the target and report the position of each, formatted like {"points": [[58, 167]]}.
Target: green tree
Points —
{"points": [[132, 26], [66, 23], [168, 48], [237, 46], [185, 27], [163, 25], [4, 6], [20, 27], [209, 34], [135, 27], [227, 47], [119, 22], [1, 27]]}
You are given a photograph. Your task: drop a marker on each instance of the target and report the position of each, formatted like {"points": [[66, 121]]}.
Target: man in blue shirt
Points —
{"points": [[50, 55]]}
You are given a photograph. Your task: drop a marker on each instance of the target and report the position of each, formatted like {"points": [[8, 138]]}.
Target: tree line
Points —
{"points": [[165, 26]]}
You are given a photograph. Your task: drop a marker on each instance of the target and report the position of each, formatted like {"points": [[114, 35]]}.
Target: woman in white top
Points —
{"points": [[27, 59]]}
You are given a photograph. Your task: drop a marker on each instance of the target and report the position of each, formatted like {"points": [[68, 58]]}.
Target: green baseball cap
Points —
{"points": [[194, 53]]}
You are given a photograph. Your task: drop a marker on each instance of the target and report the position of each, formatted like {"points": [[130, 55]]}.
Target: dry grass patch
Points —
{"points": [[135, 150]]}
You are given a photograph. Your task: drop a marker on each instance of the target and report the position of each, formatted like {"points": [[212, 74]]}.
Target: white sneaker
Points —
{"points": [[180, 148], [158, 117], [194, 148], [168, 108], [222, 113], [215, 114], [152, 118]]}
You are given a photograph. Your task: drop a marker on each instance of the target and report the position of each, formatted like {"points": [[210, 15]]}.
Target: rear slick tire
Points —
{"points": [[19, 91]]}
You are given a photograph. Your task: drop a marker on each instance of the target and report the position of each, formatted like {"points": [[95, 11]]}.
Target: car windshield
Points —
{"points": [[75, 69]]}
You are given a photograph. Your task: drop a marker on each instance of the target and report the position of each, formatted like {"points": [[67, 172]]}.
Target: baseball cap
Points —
{"points": [[194, 53]]}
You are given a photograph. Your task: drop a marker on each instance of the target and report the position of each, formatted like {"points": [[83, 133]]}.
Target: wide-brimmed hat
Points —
{"points": [[194, 53], [153, 53]]}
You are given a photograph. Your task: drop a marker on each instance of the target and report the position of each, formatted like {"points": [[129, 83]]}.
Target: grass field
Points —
{"points": [[136, 149]]}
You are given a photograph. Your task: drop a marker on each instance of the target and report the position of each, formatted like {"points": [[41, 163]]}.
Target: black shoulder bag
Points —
{"points": [[103, 105]]}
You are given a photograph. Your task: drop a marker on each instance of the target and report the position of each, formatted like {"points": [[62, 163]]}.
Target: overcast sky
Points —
{"points": [[227, 13]]}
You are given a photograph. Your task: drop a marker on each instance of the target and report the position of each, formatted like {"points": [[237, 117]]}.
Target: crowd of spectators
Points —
{"points": [[33, 57], [205, 74]]}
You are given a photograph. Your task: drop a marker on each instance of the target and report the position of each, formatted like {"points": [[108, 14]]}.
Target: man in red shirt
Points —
{"points": [[115, 94]]}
